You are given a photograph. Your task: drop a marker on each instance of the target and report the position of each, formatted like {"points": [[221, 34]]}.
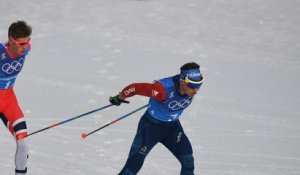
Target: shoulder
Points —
{"points": [[2, 50], [169, 82], [2, 47]]}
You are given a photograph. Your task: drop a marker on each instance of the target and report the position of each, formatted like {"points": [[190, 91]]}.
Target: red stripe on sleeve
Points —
{"points": [[155, 90]]}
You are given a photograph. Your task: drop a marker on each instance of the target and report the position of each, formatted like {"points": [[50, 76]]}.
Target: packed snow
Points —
{"points": [[243, 121]]}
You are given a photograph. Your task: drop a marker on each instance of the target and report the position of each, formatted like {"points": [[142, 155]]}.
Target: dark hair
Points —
{"points": [[19, 29], [191, 65]]}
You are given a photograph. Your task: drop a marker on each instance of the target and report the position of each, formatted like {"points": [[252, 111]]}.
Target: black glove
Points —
{"points": [[115, 100]]}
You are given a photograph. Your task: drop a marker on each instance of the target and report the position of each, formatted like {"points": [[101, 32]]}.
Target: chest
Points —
{"points": [[176, 102], [10, 67]]}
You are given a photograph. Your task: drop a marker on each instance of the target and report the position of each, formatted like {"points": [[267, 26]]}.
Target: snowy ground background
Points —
{"points": [[244, 121]]}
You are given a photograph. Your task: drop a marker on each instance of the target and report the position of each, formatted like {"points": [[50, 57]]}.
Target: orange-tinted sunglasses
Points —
{"points": [[21, 44]]}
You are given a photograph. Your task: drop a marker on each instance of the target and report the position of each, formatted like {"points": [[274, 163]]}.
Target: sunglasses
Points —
{"points": [[20, 44], [193, 84]]}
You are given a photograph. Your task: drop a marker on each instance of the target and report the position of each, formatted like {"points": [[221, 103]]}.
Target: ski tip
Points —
{"points": [[83, 136]]}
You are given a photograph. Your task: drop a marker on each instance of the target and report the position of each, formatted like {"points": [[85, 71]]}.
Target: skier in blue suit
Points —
{"points": [[169, 97], [12, 58]]}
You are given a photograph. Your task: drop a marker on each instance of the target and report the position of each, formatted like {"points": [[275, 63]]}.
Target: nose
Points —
{"points": [[193, 92]]}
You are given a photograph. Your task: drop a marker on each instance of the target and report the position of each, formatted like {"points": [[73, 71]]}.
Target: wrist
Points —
{"points": [[121, 97]]}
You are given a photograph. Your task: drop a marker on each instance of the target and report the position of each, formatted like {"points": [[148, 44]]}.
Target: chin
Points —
{"points": [[190, 95]]}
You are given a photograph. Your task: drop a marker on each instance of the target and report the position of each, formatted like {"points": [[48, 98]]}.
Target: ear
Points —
{"points": [[10, 40], [182, 86], [182, 82]]}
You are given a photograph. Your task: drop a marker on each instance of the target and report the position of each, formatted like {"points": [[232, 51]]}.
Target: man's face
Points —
{"points": [[18, 45], [185, 89]]}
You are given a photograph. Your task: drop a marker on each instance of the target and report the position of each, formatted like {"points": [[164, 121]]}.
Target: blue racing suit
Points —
{"points": [[160, 124]]}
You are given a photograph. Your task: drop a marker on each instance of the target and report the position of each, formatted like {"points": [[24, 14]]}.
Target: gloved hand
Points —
{"points": [[115, 100]]}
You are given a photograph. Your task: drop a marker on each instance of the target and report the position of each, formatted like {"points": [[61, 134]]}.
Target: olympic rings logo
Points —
{"points": [[176, 105], [14, 66]]}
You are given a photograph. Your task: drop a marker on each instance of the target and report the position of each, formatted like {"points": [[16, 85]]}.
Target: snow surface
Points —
{"points": [[244, 121]]}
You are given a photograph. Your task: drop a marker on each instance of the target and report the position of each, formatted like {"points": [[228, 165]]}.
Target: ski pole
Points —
{"points": [[68, 120], [112, 122]]}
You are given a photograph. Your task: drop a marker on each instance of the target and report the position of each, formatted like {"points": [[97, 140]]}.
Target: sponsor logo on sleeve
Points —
{"points": [[128, 91]]}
